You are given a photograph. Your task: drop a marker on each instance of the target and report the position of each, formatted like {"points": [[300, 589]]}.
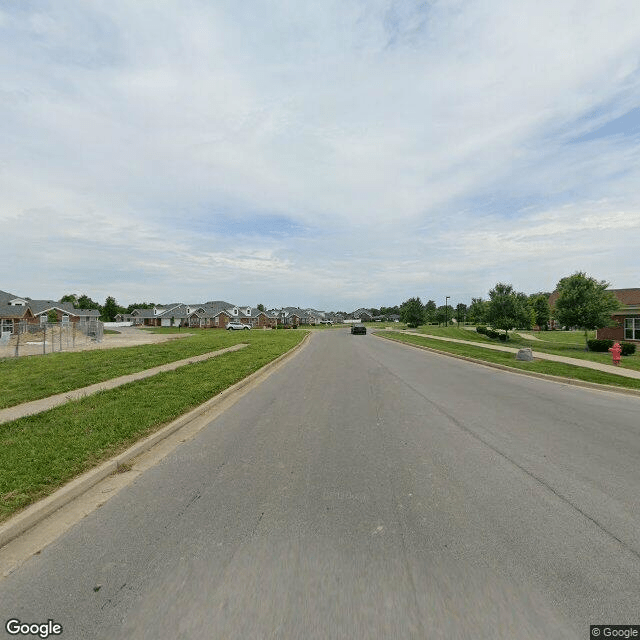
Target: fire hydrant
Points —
{"points": [[616, 352]]}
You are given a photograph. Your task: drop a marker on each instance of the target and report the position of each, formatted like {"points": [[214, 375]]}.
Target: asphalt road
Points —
{"points": [[365, 490]]}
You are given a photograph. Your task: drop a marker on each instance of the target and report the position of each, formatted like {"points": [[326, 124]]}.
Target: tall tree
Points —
{"points": [[508, 309], [260, 307], [477, 312], [70, 297], [85, 302], [430, 311], [461, 312], [442, 314], [584, 302], [412, 312], [110, 309], [540, 305]]}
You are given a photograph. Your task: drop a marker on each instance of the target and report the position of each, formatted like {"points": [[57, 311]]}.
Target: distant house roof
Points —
{"points": [[44, 306], [5, 296], [626, 297], [215, 306], [144, 313], [13, 311]]}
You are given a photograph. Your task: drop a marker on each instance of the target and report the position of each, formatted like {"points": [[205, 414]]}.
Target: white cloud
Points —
{"points": [[402, 133]]}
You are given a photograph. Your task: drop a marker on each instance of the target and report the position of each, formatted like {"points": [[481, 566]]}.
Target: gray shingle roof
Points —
{"points": [[5, 296], [10, 311]]}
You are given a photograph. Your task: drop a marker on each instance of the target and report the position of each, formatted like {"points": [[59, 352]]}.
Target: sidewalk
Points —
{"points": [[587, 364], [37, 406]]}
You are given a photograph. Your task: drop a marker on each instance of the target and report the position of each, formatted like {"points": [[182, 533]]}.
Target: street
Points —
{"points": [[365, 490]]}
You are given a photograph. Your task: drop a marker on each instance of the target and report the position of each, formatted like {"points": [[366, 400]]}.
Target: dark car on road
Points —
{"points": [[358, 328]]}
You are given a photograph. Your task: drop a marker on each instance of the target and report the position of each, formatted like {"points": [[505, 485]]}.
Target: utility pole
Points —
{"points": [[446, 311]]}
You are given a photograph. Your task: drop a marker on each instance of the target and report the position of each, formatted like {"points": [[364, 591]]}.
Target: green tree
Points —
{"points": [[85, 302], [539, 302], [412, 312], [110, 309], [477, 312], [70, 297], [461, 312], [508, 309], [430, 311], [52, 316], [387, 311], [260, 307], [442, 314], [584, 302]]}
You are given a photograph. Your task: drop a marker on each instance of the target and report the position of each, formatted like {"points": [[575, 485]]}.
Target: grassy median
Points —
{"points": [[508, 359], [34, 377], [39, 453]]}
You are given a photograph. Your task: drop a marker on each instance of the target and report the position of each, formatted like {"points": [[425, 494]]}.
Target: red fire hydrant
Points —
{"points": [[616, 352]]}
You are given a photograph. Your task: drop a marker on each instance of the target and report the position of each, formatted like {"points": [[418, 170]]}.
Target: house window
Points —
{"points": [[65, 319], [6, 326], [632, 328], [43, 319]]}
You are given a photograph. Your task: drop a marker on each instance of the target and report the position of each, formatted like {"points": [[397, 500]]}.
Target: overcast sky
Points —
{"points": [[328, 154]]}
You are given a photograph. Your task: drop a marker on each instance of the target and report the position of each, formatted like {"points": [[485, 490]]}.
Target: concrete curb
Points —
{"points": [[531, 374], [33, 514]]}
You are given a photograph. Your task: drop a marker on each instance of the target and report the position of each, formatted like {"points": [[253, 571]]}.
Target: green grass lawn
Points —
{"points": [[507, 359], [33, 377], [575, 338], [40, 453], [561, 343], [452, 332]]}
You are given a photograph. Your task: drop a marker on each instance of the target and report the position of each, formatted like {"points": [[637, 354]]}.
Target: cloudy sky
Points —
{"points": [[332, 154]]}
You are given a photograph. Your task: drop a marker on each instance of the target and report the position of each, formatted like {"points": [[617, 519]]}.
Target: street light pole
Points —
{"points": [[446, 311]]}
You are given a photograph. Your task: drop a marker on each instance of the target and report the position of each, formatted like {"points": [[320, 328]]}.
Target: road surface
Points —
{"points": [[365, 490]]}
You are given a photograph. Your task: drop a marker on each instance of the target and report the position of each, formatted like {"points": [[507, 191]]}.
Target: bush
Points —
{"points": [[599, 345], [628, 348], [481, 329], [503, 337], [492, 334]]}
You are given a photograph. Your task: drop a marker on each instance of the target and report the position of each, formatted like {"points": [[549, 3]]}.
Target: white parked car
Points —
{"points": [[235, 326]]}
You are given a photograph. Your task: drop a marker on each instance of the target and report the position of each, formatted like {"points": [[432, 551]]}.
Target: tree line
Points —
{"points": [[109, 310], [583, 302]]}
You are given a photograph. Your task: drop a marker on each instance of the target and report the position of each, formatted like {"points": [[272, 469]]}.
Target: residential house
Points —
{"points": [[363, 315], [625, 322], [215, 314], [14, 309]]}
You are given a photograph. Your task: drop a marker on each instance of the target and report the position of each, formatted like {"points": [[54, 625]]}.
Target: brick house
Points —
{"points": [[15, 309], [625, 322]]}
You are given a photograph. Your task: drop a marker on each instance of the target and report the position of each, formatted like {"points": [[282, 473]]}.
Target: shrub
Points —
{"points": [[628, 348], [503, 337], [481, 329], [492, 334], [599, 345]]}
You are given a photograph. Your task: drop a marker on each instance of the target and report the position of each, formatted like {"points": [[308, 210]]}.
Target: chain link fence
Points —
{"points": [[29, 339]]}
